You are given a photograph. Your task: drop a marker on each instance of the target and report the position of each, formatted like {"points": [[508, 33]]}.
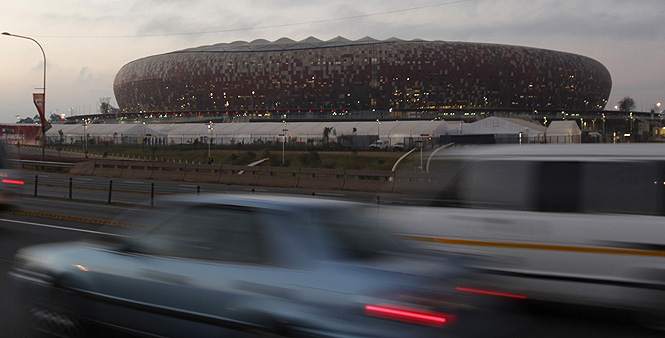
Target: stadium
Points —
{"points": [[315, 78]]}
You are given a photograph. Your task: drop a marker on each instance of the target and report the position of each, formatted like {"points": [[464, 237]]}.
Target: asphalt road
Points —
{"points": [[42, 220]]}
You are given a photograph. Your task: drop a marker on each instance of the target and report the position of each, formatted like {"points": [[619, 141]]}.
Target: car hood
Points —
{"points": [[54, 254]]}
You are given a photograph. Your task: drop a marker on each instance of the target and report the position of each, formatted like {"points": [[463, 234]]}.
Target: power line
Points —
{"points": [[260, 27]]}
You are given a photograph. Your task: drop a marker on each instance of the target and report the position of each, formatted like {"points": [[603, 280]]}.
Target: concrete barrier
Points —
{"points": [[139, 170], [205, 173], [323, 172], [231, 175], [278, 177], [277, 181], [86, 168], [169, 172], [235, 169], [107, 168], [379, 181], [368, 181], [321, 179]]}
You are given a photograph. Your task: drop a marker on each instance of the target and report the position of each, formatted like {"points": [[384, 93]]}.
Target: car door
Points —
{"points": [[186, 273]]}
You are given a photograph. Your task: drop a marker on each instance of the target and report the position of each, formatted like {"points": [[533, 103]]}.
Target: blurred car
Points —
{"points": [[378, 145], [399, 146], [11, 180], [209, 266]]}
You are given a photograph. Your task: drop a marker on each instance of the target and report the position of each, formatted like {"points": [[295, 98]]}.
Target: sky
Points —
{"points": [[87, 41]]}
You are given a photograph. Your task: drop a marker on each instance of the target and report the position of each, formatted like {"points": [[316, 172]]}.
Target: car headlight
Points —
{"points": [[26, 269]]}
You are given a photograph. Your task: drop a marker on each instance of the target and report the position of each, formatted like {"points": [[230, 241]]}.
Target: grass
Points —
{"points": [[332, 159]]}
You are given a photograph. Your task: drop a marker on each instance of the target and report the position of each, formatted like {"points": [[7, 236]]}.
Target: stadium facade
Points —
{"points": [[340, 76]]}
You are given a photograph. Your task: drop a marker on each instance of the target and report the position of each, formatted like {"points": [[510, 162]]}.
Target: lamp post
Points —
{"points": [[210, 128], [85, 137], [378, 129], [284, 142], [43, 88]]}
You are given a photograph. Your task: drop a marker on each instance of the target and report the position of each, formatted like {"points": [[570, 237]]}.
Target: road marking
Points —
{"points": [[60, 227], [68, 218]]}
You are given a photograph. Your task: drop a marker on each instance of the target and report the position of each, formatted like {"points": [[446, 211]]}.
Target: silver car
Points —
{"points": [[236, 265]]}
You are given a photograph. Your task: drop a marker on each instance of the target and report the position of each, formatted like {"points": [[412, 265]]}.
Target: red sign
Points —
{"points": [[38, 99], [20, 134]]}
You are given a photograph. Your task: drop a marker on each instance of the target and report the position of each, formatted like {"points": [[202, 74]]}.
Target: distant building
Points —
{"points": [[339, 76]]}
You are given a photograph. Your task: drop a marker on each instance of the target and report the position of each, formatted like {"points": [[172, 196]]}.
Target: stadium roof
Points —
{"points": [[262, 45]]}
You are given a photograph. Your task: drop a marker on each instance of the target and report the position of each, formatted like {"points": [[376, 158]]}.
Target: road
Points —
{"points": [[51, 219]]}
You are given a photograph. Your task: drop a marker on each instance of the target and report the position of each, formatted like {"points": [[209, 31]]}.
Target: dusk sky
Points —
{"points": [[87, 42]]}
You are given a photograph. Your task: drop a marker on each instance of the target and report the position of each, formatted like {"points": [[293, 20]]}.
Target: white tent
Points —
{"points": [[501, 126], [563, 132], [247, 132]]}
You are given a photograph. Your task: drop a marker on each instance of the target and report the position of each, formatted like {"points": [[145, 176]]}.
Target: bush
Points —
{"points": [[311, 159], [244, 158]]}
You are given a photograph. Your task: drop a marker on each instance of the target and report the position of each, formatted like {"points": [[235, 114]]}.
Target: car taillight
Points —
{"points": [[8, 181], [410, 315]]}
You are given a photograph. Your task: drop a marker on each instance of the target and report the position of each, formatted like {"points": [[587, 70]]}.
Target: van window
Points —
{"points": [[558, 186], [624, 187], [498, 184]]}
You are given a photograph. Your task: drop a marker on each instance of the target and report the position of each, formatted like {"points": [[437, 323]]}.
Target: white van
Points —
{"points": [[378, 145], [567, 223]]}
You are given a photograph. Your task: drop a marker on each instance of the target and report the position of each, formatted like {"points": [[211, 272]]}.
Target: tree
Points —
{"points": [[104, 105], [626, 104], [326, 134]]}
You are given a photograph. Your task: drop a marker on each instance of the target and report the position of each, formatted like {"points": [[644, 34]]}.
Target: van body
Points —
{"points": [[378, 145], [577, 224]]}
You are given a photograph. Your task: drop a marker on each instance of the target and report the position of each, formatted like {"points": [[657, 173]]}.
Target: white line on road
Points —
{"points": [[60, 227]]}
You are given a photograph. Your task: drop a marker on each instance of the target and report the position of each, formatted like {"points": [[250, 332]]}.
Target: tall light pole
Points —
{"points": [[85, 136], [43, 88], [378, 129], [210, 124], [284, 142]]}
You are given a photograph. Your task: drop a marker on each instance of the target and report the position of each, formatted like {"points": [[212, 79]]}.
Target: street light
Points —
{"points": [[210, 128], [43, 88], [378, 129], [284, 142], [85, 136]]}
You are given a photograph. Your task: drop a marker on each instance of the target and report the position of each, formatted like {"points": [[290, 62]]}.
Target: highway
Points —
{"points": [[52, 217]]}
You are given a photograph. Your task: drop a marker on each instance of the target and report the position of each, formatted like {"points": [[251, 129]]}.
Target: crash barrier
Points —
{"points": [[43, 165], [303, 178]]}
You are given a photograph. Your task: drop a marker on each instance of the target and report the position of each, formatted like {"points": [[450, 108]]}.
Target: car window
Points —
{"points": [[205, 233]]}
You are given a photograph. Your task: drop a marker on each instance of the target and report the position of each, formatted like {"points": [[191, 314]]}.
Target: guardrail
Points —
{"points": [[43, 165], [306, 178]]}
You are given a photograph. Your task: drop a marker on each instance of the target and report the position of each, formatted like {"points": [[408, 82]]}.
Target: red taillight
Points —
{"points": [[415, 316], [8, 181], [491, 293]]}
